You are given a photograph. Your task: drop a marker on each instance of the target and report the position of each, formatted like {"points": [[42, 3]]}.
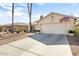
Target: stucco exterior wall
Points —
{"points": [[55, 18], [17, 28]]}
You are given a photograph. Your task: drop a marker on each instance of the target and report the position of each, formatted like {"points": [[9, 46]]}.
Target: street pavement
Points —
{"points": [[38, 45]]}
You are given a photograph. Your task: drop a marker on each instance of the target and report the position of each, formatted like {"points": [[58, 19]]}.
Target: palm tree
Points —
{"points": [[12, 17], [41, 16], [30, 13]]}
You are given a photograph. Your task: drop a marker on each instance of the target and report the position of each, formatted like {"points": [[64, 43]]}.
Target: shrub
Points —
{"points": [[76, 32], [17, 31]]}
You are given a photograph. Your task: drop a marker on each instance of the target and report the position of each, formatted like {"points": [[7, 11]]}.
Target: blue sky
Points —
{"points": [[21, 14]]}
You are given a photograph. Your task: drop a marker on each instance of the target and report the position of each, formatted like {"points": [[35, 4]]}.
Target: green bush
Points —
{"points": [[76, 32]]}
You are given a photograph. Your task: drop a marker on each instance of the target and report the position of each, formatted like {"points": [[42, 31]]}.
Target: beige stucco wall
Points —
{"points": [[55, 18], [17, 27], [21, 28]]}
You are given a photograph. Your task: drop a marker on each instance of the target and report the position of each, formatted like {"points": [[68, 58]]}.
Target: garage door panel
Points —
{"points": [[53, 28]]}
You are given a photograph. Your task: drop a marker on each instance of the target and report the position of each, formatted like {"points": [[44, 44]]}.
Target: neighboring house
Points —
{"points": [[55, 23], [17, 27]]}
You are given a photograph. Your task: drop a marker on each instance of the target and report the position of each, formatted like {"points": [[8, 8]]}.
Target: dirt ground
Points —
{"points": [[74, 45], [11, 38]]}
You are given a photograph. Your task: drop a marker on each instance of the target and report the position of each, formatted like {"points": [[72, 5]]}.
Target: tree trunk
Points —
{"points": [[12, 17], [30, 13]]}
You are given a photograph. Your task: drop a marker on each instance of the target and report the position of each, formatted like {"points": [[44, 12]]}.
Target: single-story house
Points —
{"points": [[17, 27], [55, 23]]}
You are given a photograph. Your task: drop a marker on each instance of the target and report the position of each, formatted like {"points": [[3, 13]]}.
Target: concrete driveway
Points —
{"points": [[51, 39], [39, 45]]}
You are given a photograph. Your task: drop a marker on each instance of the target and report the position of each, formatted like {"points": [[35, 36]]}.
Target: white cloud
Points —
{"points": [[9, 13], [6, 13], [76, 15], [0, 15], [6, 5], [9, 6], [18, 13], [19, 9], [40, 4], [36, 17], [6, 17], [23, 4]]}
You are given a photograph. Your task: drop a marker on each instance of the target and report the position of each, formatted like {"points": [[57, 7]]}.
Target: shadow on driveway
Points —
{"points": [[51, 39]]}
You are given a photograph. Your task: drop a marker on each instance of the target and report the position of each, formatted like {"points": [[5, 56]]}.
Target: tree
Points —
{"points": [[30, 13], [41, 16], [12, 17], [75, 20]]}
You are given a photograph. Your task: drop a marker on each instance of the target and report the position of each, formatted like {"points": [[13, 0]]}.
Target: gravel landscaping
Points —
{"points": [[11, 37], [74, 45]]}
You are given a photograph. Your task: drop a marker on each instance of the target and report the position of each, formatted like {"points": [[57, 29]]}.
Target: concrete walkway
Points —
{"points": [[38, 45]]}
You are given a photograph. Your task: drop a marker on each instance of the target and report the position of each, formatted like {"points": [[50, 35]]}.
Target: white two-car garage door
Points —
{"points": [[53, 29]]}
